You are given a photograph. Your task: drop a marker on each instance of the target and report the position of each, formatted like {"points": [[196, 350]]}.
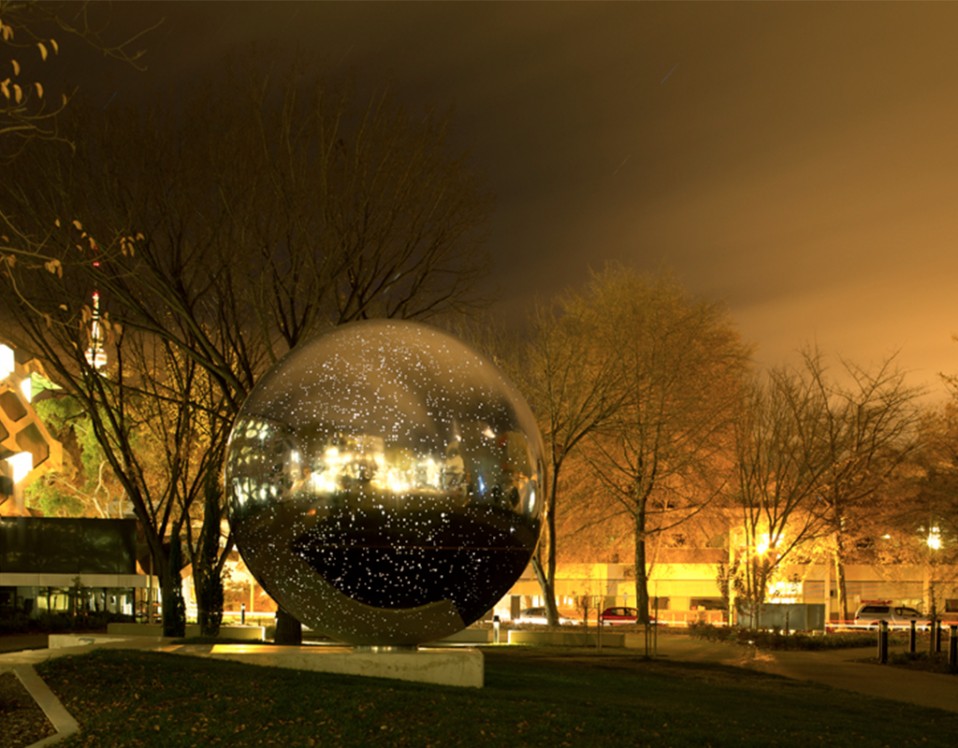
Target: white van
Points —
{"points": [[898, 616]]}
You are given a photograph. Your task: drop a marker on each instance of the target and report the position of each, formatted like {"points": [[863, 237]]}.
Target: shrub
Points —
{"points": [[934, 663], [14, 622], [775, 639], [712, 633], [53, 623]]}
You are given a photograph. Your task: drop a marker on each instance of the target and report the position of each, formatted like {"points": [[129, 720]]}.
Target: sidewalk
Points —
{"points": [[21, 662], [18, 642], [10, 659], [847, 669]]}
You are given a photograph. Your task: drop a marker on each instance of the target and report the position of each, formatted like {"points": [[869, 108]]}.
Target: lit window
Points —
{"points": [[6, 361], [20, 464]]}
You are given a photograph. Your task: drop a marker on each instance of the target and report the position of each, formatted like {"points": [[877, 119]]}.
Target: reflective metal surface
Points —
{"points": [[385, 483]]}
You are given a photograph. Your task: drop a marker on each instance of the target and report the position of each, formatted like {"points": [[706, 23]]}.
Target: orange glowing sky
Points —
{"points": [[797, 161]]}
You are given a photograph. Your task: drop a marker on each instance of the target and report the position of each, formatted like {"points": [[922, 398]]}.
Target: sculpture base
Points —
{"points": [[446, 666]]}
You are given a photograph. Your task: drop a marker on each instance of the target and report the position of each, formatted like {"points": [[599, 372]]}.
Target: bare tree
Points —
{"points": [[680, 364], [334, 213], [187, 427], [30, 40], [780, 462], [914, 518], [31, 35], [26, 110], [870, 428], [115, 402], [571, 386]]}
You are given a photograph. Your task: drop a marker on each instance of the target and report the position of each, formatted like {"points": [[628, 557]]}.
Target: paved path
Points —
{"points": [[17, 642], [21, 663], [849, 669]]}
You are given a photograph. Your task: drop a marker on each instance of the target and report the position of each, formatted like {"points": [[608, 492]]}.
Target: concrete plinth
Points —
{"points": [[62, 641], [467, 636], [251, 633], [564, 638], [447, 666]]}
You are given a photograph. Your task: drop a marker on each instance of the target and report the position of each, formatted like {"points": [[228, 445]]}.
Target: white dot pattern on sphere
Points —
{"points": [[385, 483]]}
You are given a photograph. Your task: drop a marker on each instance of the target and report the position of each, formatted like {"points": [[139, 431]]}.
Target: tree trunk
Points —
{"points": [[171, 585], [840, 578], [551, 560], [761, 581], [548, 592], [208, 582], [641, 577], [209, 600], [546, 573]]}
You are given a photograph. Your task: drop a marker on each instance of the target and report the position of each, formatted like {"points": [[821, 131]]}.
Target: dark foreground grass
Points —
{"points": [[532, 697]]}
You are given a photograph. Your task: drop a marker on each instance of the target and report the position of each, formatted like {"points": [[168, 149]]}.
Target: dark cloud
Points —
{"points": [[796, 160]]}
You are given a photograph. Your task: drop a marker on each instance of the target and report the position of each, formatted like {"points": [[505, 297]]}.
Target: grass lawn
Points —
{"points": [[534, 697]]}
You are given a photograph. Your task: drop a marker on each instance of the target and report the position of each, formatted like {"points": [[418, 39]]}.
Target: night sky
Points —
{"points": [[796, 161]]}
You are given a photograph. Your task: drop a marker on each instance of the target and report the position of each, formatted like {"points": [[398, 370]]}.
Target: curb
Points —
{"points": [[62, 721]]}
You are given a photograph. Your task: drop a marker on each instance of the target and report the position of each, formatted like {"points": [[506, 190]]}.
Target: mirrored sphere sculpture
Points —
{"points": [[385, 483]]}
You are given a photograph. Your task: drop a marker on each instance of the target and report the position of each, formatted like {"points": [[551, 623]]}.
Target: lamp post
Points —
{"points": [[933, 541], [934, 538]]}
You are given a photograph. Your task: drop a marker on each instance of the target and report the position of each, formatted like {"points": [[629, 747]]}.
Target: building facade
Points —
{"points": [[76, 566], [684, 587]]}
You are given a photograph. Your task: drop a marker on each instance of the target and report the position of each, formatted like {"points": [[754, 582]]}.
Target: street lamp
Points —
{"points": [[934, 538], [933, 541]]}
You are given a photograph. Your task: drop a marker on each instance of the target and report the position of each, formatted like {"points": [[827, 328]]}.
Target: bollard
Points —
{"points": [[883, 642], [495, 629], [913, 637], [655, 627], [953, 647], [242, 614]]}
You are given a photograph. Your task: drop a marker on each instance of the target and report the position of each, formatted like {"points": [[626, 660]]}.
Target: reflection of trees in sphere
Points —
{"points": [[385, 483]]}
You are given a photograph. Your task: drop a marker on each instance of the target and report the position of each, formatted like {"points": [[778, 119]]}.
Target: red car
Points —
{"points": [[618, 616]]}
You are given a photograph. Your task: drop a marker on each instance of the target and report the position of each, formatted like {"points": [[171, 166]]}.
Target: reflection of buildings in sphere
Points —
{"points": [[502, 473], [454, 469], [395, 534], [302, 483], [256, 461]]}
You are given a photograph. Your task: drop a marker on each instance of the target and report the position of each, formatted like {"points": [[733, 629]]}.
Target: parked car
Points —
{"points": [[618, 616], [537, 616], [898, 616]]}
